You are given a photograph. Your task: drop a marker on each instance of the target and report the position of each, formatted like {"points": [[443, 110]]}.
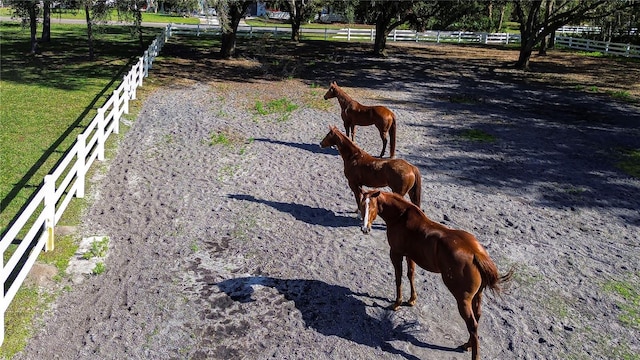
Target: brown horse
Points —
{"points": [[362, 169], [465, 266], [353, 113]]}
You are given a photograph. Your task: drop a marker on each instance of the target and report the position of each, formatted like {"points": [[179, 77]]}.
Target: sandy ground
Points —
{"points": [[251, 250]]}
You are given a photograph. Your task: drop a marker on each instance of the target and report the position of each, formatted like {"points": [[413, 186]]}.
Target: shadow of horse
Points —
{"points": [[334, 310], [304, 213], [314, 148]]}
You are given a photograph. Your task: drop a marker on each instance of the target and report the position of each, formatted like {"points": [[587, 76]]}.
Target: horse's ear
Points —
{"points": [[375, 194]]}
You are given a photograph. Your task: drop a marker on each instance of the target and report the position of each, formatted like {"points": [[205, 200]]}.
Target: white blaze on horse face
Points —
{"points": [[366, 226]]}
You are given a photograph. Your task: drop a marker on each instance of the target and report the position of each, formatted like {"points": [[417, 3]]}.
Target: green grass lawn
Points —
{"points": [[46, 100]]}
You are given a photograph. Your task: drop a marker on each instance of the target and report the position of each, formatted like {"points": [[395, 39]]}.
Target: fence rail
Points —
{"points": [[33, 229], [368, 35], [604, 47]]}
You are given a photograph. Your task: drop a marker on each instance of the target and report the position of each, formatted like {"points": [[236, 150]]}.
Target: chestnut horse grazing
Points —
{"points": [[465, 266], [353, 113], [362, 169]]}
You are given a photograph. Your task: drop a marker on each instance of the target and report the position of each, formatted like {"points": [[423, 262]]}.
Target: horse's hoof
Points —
{"points": [[412, 302], [395, 306]]}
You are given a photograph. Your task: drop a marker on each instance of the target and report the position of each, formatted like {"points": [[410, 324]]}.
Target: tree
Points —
{"points": [[46, 21], [299, 11], [28, 10], [388, 15], [535, 24], [230, 12]]}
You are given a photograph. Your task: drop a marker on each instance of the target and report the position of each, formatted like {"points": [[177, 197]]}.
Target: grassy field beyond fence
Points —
{"points": [[47, 100]]}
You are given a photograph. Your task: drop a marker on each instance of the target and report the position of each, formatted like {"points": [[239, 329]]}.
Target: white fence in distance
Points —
{"points": [[604, 47], [368, 35], [33, 229]]}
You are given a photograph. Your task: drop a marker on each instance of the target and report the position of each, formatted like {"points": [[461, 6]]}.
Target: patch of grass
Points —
{"points": [[98, 248], [99, 268], [220, 139], [629, 304], [630, 162], [279, 106], [478, 135], [591, 53], [19, 320], [622, 95]]}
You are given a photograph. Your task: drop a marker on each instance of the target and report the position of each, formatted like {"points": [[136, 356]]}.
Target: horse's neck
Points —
{"points": [[344, 99], [347, 148], [393, 208]]}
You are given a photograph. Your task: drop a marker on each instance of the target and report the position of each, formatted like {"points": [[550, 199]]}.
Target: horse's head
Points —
{"points": [[332, 92], [331, 138], [369, 206]]}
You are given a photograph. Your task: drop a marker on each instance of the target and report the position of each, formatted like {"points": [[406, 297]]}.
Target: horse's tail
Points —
{"points": [[415, 193], [489, 272], [392, 135]]}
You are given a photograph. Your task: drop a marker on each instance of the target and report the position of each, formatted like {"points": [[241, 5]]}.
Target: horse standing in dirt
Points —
{"points": [[353, 113], [465, 266], [362, 169]]}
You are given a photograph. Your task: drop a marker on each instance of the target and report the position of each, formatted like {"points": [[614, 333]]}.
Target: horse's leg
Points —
{"points": [[357, 193], [353, 132], [466, 311], [383, 136], [396, 260], [411, 271], [477, 302]]}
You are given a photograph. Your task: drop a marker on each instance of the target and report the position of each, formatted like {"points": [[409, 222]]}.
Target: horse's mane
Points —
{"points": [[343, 93]]}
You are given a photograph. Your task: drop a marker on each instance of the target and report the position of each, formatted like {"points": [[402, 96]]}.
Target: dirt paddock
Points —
{"points": [[248, 248]]}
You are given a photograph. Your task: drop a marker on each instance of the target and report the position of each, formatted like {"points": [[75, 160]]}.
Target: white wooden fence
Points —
{"points": [[368, 35], [33, 230], [604, 47]]}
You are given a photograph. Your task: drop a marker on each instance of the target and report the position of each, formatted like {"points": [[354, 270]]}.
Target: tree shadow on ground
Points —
{"points": [[334, 310], [550, 133]]}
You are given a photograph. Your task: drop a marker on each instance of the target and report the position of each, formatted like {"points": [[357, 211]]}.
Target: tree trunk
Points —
{"points": [[138, 24], [227, 47], [381, 39], [46, 22], [526, 48], [33, 25], [89, 32], [295, 30], [228, 44]]}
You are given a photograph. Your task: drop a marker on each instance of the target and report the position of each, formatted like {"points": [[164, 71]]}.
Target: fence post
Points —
{"points": [[373, 35], [100, 133], [145, 69], [325, 34], [133, 84], [394, 34], [348, 34], [126, 94], [438, 37], [506, 40], [459, 36], [49, 187], [198, 30], [81, 164], [628, 50]]}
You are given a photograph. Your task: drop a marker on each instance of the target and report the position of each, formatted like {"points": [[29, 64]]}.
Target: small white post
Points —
{"points": [[81, 164], [100, 133], [373, 34], [49, 210], [126, 94], [146, 65], [348, 34]]}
